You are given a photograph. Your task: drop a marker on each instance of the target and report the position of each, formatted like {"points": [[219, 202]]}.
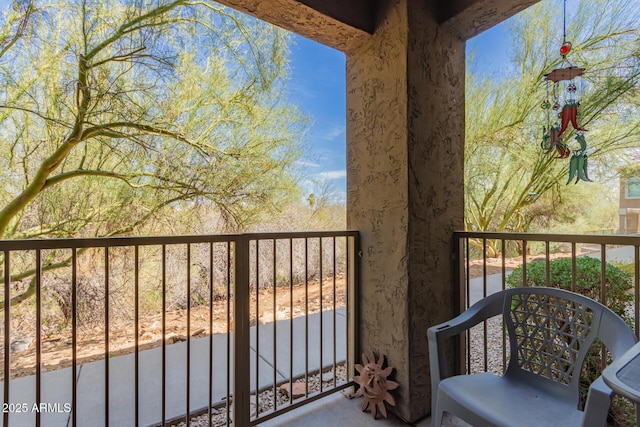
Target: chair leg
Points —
{"points": [[436, 418]]}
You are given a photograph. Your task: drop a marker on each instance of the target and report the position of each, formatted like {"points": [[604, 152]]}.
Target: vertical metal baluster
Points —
{"points": [[228, 325], [275, 342], [503, 249], [603, 274], [524, 263], [306, 316], [484, 295], [335, 373], [547, 269], [7, 334], [603, 296], [188, 385], [136, 302], [164, 338], [573, 267], [353, 255], [321, 326], [484, 267], [106, 336], [354, 285], [210, 367], [468, 304], [291, 320], [74, 332], [348, 315], [257, 325], [39, 337], [468, 275], [241, 338], [636, 287]]}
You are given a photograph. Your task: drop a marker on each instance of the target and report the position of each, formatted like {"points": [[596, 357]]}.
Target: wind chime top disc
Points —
{"points": [[563, 74]]}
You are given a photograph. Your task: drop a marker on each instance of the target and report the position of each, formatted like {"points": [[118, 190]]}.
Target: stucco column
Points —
{"points": [[405, 142]]}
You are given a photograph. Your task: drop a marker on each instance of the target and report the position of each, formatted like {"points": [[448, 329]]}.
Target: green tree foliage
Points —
{"points": [[511, 185], [115, 111], [117, 114]]}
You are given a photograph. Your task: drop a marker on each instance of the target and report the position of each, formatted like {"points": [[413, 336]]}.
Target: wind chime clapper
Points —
{"points": [[565, 107]]}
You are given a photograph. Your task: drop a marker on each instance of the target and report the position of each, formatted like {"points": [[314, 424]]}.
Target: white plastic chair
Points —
{"points": [[550, 332]]}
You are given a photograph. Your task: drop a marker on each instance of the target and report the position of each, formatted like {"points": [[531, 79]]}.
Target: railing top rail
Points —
{"points": [[72, 243], [610, 239], [300, 235]]}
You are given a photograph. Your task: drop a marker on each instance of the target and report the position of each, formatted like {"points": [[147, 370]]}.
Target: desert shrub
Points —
{"points": [[627, 267], [618, 283]]}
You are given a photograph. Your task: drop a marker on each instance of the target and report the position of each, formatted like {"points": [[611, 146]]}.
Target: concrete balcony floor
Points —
{"points": [[338, 411]]}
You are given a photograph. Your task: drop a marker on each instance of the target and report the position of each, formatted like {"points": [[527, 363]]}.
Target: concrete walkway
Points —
{"points": [[625, 254], [90, 377]]}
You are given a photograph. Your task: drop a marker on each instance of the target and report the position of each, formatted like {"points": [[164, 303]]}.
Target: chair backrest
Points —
{"points": [[551, 331]]}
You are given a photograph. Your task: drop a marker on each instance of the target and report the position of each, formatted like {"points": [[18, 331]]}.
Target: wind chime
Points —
{"points": [[564, 108]]}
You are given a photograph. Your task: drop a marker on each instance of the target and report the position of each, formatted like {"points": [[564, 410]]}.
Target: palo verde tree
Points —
{"points": [[116, 113], [510, 183], [153, 102]]}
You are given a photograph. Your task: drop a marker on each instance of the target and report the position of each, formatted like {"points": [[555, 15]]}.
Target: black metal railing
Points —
{"points": [[153, 330], [486, 260]]}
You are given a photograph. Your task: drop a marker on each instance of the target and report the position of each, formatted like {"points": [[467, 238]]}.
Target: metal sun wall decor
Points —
{"points": [[565, 105], [374, 385]]}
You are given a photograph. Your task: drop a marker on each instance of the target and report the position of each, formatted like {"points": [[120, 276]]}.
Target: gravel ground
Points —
{"points": [[266, 400], [494, 347]]}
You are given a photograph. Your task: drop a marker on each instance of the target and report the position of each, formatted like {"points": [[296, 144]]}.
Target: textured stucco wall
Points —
{"points": [[405, 105], [377, 186], [436, 66]]}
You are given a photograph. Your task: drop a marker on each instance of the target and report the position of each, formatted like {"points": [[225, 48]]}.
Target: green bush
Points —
{"points": [[618, 283]]}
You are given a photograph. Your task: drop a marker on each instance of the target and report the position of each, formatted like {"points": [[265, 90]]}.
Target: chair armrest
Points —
{"points": [[482, 310]]}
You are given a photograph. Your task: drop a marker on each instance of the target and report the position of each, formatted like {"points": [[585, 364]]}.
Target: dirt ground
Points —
{"points": [[494, 265]]}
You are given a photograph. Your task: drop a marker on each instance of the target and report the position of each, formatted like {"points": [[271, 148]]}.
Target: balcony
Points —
{"points": [[205, 330], [153, 329]]}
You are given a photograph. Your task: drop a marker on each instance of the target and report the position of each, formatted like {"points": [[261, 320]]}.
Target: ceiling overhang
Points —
{"points": [[338, 24], [342, 24], [468, 18]]}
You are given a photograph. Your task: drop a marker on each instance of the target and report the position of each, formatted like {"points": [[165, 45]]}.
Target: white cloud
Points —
{"points": [[307, 164], [337, 174], [334, 133]]}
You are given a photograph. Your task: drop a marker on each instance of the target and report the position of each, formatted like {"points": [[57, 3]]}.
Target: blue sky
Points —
{"points": [[490, 50], [318, 87]]}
